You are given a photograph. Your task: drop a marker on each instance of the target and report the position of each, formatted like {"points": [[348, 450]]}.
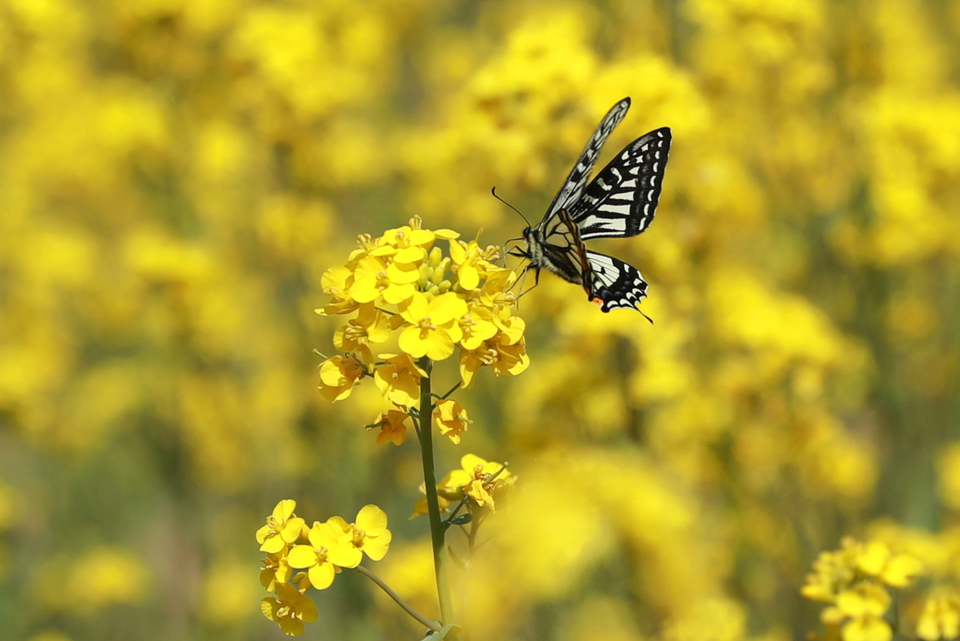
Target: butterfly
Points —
{"points": [[619, 202]]}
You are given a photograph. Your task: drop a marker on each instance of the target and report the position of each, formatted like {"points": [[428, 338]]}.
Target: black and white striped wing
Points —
{"points": [[573, 186], [622, 199], [563, 251], [614, 283]]}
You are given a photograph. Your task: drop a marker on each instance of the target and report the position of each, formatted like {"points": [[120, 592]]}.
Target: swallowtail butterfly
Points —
{"points": [[618, 203]]}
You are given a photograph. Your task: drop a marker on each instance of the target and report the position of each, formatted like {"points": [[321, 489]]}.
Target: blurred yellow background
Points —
{"points": [[175, 176]]}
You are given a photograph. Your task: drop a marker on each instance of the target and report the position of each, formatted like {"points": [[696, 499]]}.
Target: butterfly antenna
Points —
{"points": [[494, 192]]}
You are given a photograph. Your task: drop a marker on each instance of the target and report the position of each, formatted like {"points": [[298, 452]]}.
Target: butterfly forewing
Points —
{"points": [[573, 186], [622, 199]]}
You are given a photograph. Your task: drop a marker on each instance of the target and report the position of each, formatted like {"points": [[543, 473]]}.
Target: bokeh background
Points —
{"points": [[175, 176]]}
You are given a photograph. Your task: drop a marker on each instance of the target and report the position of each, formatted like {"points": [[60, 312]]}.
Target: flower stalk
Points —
{"points": [[433, 503], [396, 597]]}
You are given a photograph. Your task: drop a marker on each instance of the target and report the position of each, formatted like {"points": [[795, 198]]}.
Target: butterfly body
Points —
{"points": [[556, 258], [619, 202]]}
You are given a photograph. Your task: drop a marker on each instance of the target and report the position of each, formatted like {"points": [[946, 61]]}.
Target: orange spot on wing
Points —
{"points": [[598, 301]]}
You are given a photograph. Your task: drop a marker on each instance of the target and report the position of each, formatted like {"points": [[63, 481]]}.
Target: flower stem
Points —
{"points": [[433, 503], [393, 595]]}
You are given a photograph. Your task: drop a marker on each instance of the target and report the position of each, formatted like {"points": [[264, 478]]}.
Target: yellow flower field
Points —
{"points": [[184, 440]]}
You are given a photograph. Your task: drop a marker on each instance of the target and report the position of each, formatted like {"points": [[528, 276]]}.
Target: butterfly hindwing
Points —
{"points": [[622, 199], [573, 186], [614, 283]]}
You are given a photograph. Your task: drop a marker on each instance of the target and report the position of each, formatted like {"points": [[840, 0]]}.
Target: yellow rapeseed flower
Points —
{"points": [[451, 419], [275, 570], [371, 281], [289, 609], [398, 378], [477, 325], [339, 374], [369, 327], [478, 479], [315, 558], [282, 528], [368, 535], [392, 426], [334, 284], [940, 618], [472, 263], [896, 570], [433, 327]]}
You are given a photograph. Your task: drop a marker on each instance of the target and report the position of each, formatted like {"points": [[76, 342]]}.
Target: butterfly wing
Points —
{"points": [[612, 283], [562, 249], [622, 199], [573, 186]]}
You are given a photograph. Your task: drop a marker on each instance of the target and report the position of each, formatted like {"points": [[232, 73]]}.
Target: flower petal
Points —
{"points": [[376, 548], [321, 575], [302, 556], [346, 555], [372, 520]]}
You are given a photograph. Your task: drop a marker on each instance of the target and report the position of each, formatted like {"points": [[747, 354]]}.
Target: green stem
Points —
{"points": [[433, 503], [396, 597]]}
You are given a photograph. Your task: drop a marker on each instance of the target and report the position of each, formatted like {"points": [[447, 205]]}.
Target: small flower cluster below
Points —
{"points": [[854, 581], [319, 552], [477, 480]]}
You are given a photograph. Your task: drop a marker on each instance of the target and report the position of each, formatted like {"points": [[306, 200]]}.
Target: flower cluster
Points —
{"points": [[854, 580], [318, 552], [402, 286], [940, 618], [477, 479]]}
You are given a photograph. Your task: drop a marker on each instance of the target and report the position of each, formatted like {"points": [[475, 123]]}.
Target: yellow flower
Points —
{"points": [[867, 629], [471, 262], [896, 570], [865, 604], [451, 419], [275, 570], [512, 358], [334, 284], [392, 427], [315, 557], [433, 328], [471, 360], [289, 609], [502, 356], [371, 280], [864, 599], [338, 375], [369, 535], [477, 325], [282, 528], [369, 327], [511, 329], [496, 292], [940, 618], [399, 379], [478, 479], [445, 497], [833, 572]]}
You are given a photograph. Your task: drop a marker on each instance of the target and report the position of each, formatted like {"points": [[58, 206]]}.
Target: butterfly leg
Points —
{"points": [[535, 283]]}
